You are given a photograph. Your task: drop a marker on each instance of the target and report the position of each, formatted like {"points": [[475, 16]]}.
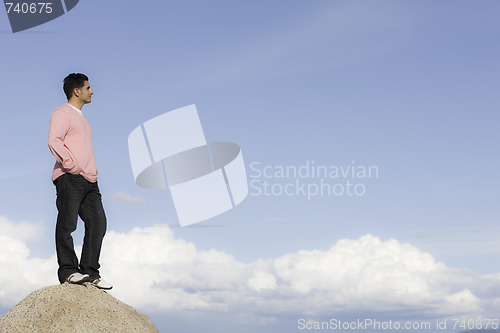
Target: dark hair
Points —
{"points": [[73, 81]]}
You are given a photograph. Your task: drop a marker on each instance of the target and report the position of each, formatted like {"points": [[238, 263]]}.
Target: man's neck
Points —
{"points": [[76, 104], [77, 110]]}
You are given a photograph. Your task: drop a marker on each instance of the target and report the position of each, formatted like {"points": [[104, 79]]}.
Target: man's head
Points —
{"points": [[76, 86]]}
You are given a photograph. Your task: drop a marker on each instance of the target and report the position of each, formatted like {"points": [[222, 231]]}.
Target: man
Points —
{"points": [[75, 178]]}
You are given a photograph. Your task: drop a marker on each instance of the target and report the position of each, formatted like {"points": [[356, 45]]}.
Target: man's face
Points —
{"points": [[84, 93]]}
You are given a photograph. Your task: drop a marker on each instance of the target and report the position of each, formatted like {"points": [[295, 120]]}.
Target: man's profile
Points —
{"points": [[75, 178]]}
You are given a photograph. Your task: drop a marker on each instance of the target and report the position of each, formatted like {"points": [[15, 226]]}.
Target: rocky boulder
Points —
{"points": [[74, 308]]}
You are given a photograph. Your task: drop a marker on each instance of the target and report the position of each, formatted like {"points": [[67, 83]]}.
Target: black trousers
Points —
{"points": [[76, 196]]}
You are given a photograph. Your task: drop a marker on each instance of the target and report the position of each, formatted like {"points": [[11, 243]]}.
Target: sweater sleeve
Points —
{"points": [[59, 126]]}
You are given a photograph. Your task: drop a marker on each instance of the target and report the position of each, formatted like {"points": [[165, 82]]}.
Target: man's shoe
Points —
{"points": [[101, 284], [78, 278]]}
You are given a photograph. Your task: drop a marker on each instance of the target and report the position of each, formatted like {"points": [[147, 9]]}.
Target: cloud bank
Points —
{"points": [[20, 273], [361, 275], [152, 270]]}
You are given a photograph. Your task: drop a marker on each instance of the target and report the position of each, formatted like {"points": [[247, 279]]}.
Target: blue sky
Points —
{"points": [[409, 87]]}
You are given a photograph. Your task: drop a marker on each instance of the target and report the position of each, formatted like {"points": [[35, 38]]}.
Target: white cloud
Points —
{"points": [[20, 274], [262, 280], [365, 274], [154, 271], [19, 230], [125, 197]]}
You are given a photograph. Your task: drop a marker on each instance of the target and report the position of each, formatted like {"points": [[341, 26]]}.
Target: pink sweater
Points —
{"points": [[70, 141]]}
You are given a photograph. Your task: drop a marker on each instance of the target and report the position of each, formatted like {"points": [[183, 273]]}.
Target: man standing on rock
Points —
{"points": [[75, 178]]}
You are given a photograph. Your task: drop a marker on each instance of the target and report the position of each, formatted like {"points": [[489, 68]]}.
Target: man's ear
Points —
{"points": [[76, 92]]}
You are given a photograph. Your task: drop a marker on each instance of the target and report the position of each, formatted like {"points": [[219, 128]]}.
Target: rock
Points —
{"points": [[74, 308]]}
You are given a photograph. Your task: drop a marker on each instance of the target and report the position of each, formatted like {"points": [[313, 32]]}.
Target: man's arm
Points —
{"points": [[59, 125]]}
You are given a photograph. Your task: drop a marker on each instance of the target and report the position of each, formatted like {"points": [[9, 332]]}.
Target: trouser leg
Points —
{"points": [[92, 213], [69, 197]]}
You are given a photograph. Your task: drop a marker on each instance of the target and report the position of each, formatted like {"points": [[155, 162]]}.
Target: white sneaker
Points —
{"points": [[78, 278], [101, 284]]}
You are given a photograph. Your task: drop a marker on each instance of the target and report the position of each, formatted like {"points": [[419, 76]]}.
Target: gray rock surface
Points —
{"points": [[74, 308]]}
